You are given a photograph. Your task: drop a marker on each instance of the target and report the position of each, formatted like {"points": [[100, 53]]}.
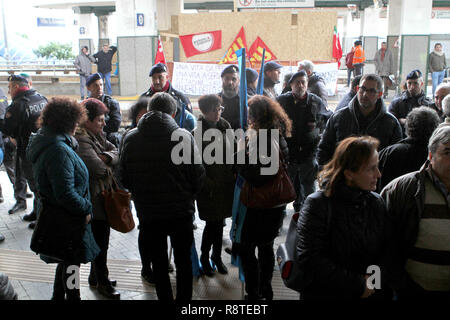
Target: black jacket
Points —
{"points": [[162, 190], [338, 239], [398, 159], [344, 123], [21, 116], [112, 119], [231, 111], [316, 85], [403, 104], [303, 143], [179, 96], [345, 100], [104, 60]]}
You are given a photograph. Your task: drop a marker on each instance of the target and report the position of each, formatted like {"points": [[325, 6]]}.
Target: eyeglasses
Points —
{"points": [[219, 109], [371, 91]]}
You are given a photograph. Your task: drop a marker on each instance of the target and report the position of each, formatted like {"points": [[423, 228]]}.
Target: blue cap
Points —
{"points": [[272, 65], [17, 78], [301, 73], [230, 69], [92, 78], [251, 74], [415, 74], [158, 68]]}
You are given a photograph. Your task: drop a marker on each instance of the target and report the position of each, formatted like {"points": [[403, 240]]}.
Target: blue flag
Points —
{"points": [[260, 86], [242, 88], [183, 108]]}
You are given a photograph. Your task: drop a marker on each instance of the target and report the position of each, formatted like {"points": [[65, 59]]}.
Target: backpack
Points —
{"points": [[349, 59]]}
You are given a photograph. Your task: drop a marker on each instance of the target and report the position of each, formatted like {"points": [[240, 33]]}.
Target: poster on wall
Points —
{"points": [[198, 43]]}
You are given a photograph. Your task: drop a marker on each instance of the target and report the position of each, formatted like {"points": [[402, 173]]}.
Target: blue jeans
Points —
{"points": [[106, 77], [437, 78]]}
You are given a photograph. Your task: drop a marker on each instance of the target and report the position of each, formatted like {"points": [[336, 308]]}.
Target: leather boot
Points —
{"points": [[221, 268], [19, 206], [108, 291], [30, 217], [206, 266]]}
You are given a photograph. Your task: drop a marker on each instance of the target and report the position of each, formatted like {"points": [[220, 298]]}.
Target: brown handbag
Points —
{"points": [[118, 208], [277, 192]]}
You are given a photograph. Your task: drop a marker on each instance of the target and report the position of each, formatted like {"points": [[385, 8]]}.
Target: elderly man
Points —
{"points": [[418, 205], [103, 60], [272, 71], [83, 64], [164, 196], [411, 98], [114, 116], [365, 115], [441, 92], [409, 154], [20, 121], [302, 107], [384, 65], [160, 83]]}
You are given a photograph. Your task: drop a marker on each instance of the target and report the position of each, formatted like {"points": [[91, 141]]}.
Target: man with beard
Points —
{"points": [[365, 115], [302, 107], [412, 97], [114, 117], [230, 96], [272, 71]]}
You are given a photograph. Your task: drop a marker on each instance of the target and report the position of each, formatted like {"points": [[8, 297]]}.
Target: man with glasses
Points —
{"points": [[412, 97], [365, 115]]}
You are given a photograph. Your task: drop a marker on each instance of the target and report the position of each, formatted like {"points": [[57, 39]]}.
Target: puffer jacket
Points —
{"points": [[344, 123], [100, 173], [339, 237], [215, 199], [162, 189], [403, 104], [63, 179]]}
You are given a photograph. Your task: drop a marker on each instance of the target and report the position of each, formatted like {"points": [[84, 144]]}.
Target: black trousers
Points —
{"points": [[101, 231], [181, 237], [61, 289], [212, 237], [24, 174], [144, 252]]}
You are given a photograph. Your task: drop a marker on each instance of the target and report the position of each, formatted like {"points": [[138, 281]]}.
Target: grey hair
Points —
{"points": [[444, 85], [446, 105], [373, 77], [307, 65], [421, 122], [440, 136], [163, 102]]}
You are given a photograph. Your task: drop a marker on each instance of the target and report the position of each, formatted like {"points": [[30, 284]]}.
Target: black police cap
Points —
{"points": [[415, 74], [301, 73], [230, 69], [158, 68], [92, 78], [17, 78], [272, 65]]}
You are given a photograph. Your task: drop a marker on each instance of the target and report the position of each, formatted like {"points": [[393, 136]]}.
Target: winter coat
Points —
{"points": [[231, 111], [24, 111], [405, 202], [437, 63], [402, 105], [63, 179], [215, 200], [345, 100], [339, 237], [344, 123], [398, 159], [316, 85], [303, 143], [104, 59], [386, 67], [6, 289], [83, 64], [179, 96], [100, 173], [163, 189]]}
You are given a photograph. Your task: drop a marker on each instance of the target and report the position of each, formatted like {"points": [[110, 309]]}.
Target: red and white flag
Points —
{"points": [[337, 49], [199, 43], [160, 53]]}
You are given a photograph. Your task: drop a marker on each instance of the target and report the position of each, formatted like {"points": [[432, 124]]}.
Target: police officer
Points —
{"points": [[114, 117], [161, 83], [20, 121]]}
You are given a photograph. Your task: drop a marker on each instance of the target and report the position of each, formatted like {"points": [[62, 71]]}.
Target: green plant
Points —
{"points": [[55, 50]]}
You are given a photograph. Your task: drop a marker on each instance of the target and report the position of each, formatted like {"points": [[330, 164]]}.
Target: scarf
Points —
{"points": [[163, 89], [439, 53]]}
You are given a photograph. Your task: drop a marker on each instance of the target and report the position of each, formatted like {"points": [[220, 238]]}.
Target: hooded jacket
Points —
{"points": [[83, 63], [163, 189], [344, 123]]}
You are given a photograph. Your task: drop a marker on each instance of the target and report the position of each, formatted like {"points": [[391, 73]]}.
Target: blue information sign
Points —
{"points": [[140, 19]]}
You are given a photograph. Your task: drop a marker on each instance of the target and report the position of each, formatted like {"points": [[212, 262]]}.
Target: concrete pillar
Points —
{"points": [[370, 22], [166, 9], [136, 44], [103, 34]]}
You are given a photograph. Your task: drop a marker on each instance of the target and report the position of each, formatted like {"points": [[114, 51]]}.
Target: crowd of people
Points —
{"points": [[371, 181]]}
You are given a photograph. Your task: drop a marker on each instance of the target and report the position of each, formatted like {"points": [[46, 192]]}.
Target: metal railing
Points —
{"points": [[37, 66]]}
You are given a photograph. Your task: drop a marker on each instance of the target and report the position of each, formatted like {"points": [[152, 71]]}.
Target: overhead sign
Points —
{"points": [[50, 22], [246, 4]]}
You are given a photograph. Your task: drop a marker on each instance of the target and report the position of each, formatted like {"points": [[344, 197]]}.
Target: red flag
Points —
{"points": [[256, 50], [337, 49], [238, 43], [160, 53], [199, 43]]}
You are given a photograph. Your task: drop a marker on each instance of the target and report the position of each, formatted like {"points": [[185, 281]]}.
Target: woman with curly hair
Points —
{"points": [[267, 120], [63, 182], [100, 156]]}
